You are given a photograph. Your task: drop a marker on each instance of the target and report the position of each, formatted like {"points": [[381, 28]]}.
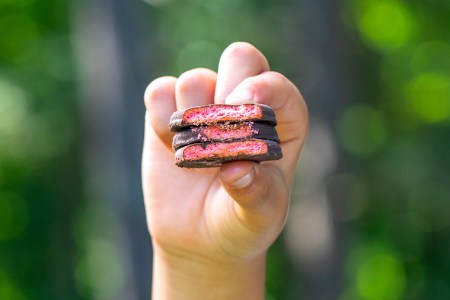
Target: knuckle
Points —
{"points": [[278, 76], [256, 87], [158, 88], [238, 48]]}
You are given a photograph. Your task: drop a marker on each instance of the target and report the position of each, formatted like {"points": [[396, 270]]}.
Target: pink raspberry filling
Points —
{"points": [[233, 149], [222, 113]]}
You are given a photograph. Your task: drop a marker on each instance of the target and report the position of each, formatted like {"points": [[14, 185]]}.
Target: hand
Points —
{"points": [[211, 228]]}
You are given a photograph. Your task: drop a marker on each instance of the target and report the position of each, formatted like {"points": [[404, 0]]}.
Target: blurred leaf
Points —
{"points": [[362, 130], [430, 97], [386, 25]]}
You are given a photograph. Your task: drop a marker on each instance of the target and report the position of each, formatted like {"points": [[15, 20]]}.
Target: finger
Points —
{"points": [[160, 104], [259, 192], [239, 61], [195, 87], [275, 90]]}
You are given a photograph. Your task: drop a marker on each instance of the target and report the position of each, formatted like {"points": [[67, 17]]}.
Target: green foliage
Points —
{"points": [[39, 162], [409, 205], [394, 136]]}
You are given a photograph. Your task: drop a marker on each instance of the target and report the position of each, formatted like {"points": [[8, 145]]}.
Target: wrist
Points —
{"points": [[194, 277]]}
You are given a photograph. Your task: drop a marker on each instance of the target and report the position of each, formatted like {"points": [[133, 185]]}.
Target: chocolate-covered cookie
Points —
{"points": [[207, 155], [210, 135], [216, 113], [224, 132]]}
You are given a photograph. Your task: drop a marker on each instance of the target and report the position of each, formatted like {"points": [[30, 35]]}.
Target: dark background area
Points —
{"points": [[370, 212]]}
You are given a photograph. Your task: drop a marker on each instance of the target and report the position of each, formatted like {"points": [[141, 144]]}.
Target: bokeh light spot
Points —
{"points": [[430, 97], [9, 289], [386, 25], [13, 215], [49, 132], [378, 272], [362, 130], [101, 270], [14, 120], [381, 276], [12, 108], [20, 37]]}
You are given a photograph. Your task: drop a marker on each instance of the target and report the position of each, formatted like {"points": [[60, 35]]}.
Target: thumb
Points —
{"points": [[246, 182], [259, 192]]}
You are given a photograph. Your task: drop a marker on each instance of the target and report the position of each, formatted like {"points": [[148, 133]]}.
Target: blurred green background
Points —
{"points": [[370, 213]]}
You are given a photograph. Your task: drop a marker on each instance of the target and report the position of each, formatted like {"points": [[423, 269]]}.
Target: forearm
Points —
{"points": [[179, 278]]}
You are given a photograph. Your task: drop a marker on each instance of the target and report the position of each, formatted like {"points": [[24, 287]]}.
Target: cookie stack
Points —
{"points": [[210, 135]]}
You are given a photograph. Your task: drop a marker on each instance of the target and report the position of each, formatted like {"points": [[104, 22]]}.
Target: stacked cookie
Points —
{"points": [[210, 135]]}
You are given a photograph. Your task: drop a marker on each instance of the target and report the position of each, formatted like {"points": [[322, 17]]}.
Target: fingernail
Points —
{"points": [[244, 181]]}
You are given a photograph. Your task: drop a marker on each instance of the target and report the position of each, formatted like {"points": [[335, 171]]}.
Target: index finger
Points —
{"points": [[238, 62], [276, 91]]}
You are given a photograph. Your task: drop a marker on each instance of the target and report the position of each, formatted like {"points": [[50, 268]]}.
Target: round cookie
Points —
{"points": [[224, 132], [216, 113], [215, 154]]}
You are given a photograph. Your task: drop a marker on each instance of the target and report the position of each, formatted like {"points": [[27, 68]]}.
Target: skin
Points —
{"points": [[211, 228]]}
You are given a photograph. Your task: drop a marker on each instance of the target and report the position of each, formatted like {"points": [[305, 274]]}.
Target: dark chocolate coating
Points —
{"points": [[273, 153], [196, 135], [177, 119]]}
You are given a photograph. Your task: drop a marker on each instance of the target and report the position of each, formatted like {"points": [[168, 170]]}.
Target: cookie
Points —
{"points": [[205, 155], [224, 132], [216, 113]]}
